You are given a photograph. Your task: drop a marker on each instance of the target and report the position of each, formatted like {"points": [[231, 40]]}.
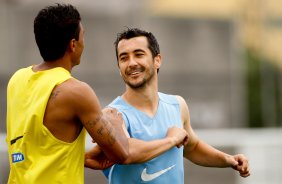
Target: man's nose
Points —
{"points": [[132, 61]]}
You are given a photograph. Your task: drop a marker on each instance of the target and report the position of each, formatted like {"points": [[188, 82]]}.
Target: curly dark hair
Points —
{"points": [[135, 32], [54, 27]]}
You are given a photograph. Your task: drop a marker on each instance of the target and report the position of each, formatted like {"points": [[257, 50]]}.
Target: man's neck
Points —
{"points": [[145, 100], [52, 64]]}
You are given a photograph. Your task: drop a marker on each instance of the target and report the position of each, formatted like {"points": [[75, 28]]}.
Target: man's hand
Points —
{"points": [[116, 118], [96, 159], [178, 135], [113, 116], [240, 163]]}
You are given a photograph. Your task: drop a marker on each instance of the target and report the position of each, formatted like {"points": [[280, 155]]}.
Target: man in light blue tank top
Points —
{"points": [[166, 168], [148, 114]]}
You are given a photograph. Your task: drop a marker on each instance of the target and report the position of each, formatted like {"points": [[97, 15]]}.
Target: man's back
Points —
{"points": [[37, 156]]}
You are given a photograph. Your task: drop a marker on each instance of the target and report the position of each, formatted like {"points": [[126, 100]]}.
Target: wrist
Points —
{"points": [[229, 160], [172, 141]]}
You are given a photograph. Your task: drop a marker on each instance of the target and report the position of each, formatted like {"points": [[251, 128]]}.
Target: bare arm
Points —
{"points": [[142, 151], [139, 151], [203, 154], [102, 128]]}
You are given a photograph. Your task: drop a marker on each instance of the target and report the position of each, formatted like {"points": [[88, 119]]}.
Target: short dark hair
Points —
{"points": [[54, 27], [136, 32]]}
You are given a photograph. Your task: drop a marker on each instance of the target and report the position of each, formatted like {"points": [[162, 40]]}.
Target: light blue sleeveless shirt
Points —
{"points": [[164, 169]]}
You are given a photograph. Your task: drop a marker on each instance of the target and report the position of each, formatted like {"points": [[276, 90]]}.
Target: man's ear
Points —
{"points": [[158, 61], [72, 45]]}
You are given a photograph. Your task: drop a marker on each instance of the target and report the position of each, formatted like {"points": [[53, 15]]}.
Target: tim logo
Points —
{"points": [[17, 157]]}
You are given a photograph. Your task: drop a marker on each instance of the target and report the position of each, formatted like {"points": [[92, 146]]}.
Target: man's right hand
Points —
{"points": [[113, 116], [178, 135]]}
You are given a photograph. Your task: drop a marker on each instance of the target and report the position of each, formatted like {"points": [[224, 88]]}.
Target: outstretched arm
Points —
{"points": [[203, 154]]}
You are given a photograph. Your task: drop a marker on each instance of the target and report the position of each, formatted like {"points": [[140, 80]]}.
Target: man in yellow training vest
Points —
{"points": [[49, 112]]}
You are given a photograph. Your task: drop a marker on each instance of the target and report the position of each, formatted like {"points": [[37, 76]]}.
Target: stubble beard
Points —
{"points": [[142, 83]]}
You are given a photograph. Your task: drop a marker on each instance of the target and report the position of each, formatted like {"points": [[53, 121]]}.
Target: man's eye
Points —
{"points": [[122, 58]]}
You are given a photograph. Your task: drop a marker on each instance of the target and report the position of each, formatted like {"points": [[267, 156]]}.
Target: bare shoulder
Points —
{"points": [[74, 94], [181, 99], [183, 104], [184, 111], [73, 88]]}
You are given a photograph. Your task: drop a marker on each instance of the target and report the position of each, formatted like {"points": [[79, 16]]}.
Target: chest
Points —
{"points": [[147, 128]]}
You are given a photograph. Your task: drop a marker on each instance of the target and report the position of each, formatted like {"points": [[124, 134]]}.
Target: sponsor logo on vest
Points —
{"points": [[17, 157], [148, 177]]}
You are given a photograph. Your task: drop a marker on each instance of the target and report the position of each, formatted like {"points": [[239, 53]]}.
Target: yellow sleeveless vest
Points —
{"points": [[35, 155]]}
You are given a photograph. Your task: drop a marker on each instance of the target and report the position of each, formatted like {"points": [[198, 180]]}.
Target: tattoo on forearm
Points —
{"points": [[103, 130], [92, 123], [110, 135], [112, 140], [100, 130], [108, 132]]}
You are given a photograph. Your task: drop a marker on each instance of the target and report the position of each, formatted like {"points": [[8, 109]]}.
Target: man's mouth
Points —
{"points": [[134, 72]]}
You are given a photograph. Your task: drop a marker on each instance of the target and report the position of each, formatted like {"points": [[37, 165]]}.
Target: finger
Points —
{"points": [[183, 143], [119, 114], [106, 109], [89, 163], [243, 163], [179, 145], [110, 109], [246, 174], [239, 168], [186, 141], [113, 110], [107, 164]]}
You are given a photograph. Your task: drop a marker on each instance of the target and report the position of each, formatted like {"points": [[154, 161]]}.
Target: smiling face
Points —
{"points": [[136, 63]]}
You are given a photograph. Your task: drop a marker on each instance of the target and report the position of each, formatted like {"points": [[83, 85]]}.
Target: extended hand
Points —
{"points": [[113, 116], [241, 164]]}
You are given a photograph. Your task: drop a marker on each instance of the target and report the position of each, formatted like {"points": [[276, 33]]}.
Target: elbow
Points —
{"points": [[121, 153], [134, 157], [122, 159], [126, 157], [127, 160], [117, 156]]}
